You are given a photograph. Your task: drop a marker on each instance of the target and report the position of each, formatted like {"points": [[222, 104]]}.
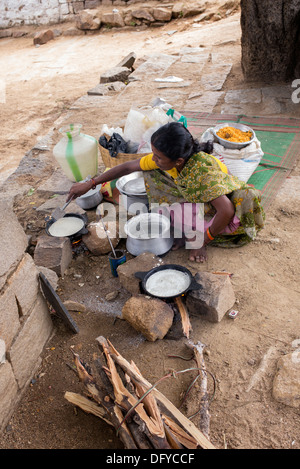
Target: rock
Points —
{"points": [[126, 272], [270, 40], [113, 19], [182, 10], [43, 36], [143, 14], [150, 316], [214, 299], [96, 240], [53, 253], [128, 61], [24, 284], [286, 384], [10, 230], [162, 14], [115, 74], [88, 20], [111, 296], [50, 275], [5, 33], [2, 352], [74, 306]]}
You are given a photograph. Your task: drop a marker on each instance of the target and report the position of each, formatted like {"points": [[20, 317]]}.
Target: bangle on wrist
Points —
{"points": [[94, 183], [209, 235]]}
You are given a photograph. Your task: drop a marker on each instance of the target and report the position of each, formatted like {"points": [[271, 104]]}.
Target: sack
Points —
{"points": [[141, 123], [241, 163]]}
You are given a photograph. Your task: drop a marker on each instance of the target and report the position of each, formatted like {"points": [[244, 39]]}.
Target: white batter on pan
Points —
{"points": [[66, 226], [168, 282]]}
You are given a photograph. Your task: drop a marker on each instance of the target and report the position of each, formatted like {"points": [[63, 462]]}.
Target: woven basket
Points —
{"points": [[110, 162]]}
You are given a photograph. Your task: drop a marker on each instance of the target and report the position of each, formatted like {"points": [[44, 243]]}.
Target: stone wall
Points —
{"points": [[25, 322], [39, 12]]}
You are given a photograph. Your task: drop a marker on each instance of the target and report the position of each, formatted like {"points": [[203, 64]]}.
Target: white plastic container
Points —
{"points": [[76, 153]]}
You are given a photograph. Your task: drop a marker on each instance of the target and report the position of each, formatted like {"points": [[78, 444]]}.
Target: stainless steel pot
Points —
{"points": [[133, 192], [90, 199], [148, 232]]}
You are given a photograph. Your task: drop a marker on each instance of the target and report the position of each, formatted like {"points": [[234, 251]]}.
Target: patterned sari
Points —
{"points": [[202, 181]]}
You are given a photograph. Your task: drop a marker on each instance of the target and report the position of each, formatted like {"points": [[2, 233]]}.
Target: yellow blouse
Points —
{"points": [[147, 164]]}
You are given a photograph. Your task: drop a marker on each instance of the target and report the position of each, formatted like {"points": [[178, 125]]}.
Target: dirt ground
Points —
{"points": [[265, 274]]}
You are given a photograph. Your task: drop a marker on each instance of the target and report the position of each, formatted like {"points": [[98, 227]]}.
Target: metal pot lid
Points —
{"points": [[148, 226], [132, 184]]}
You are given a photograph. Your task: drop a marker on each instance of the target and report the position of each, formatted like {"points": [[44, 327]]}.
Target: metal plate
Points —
{"points": [[126, 184]]}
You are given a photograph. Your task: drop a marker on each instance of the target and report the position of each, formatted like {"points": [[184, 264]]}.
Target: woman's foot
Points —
{"points": [[198, 255], [178, 243]]}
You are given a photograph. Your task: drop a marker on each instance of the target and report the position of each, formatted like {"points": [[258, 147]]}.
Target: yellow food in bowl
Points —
{"points": [[234, 135]]}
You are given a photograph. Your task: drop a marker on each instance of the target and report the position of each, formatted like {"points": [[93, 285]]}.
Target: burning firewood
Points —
{"points": [[186, 324], [142, 416]]}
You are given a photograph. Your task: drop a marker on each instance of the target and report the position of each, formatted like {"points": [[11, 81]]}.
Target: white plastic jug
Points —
{"points": [[76, 153]]}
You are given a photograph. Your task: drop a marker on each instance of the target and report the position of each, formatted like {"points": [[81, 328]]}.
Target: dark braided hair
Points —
{"points": [[175, 141]]}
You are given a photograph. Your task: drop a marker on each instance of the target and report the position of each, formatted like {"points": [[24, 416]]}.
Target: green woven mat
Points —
{"points": [[279, 137]]}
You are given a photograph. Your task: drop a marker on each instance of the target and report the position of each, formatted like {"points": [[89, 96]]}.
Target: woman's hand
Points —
{"points": [[79, 188]]}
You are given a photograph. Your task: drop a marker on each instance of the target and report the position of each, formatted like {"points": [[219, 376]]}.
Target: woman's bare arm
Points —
{"points": [[225, 213], [123, 169]]}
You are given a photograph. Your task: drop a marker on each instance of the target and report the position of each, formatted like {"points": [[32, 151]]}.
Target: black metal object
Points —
{"points": [[76, 236], [56, 303], [144, 276]]}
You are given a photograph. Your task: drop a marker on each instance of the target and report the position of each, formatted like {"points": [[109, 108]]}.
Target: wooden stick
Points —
{"points": [[113, 412], [186, 325], [204, 401], [87, 405], [187, 425], [127, 401]]}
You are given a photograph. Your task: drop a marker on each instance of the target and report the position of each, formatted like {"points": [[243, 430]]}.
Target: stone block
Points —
{"points": [[50, 275], [53, 253], [128, 61], [8, 393], [162, 14], [9, 317], [113, 19], [88, 20], [243, 96], [214, 79], [43, 36], [28, 345], [150, 316], [143, 14], [115, 74], [206, 103], [142, 263], [286, 384], [214, 299], [14, 241], [24, 284]]}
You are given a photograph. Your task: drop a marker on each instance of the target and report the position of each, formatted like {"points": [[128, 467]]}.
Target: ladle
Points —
{"points": [[112, 248]]}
